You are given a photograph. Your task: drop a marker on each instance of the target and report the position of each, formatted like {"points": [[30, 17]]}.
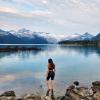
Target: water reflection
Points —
{"points": [[85, 50], [25, 71], [26, 54]]}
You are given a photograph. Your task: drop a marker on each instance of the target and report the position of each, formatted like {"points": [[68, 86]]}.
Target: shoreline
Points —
{"points": [[16, 48], [73, 92]]}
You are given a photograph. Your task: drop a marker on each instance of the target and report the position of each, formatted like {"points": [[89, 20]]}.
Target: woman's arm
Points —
{"points": [[47, 70], [54, 68]]}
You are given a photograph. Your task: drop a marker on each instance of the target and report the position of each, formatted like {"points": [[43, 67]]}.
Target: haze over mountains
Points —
{"points": [[25, 36]]}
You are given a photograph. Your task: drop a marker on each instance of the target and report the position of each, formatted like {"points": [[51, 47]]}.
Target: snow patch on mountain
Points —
{"points": [[22, 33], [51, 38]]}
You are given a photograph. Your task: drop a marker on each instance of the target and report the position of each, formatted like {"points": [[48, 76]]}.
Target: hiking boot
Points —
{"points": [[47, 94], [52, 97]]}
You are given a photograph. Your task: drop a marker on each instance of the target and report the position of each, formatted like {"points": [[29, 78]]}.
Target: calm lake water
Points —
{"points": [[25, 72]]}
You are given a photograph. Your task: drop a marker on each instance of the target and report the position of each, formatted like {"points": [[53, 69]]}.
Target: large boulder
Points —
{"points": [[8, 94]]}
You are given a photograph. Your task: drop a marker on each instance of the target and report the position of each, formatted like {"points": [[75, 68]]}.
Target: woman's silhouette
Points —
{"points": [[50, 75]]}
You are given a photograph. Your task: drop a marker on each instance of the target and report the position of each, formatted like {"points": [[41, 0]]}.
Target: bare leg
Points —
{"points": [[52, 84], [52, 92], [48, 85]]}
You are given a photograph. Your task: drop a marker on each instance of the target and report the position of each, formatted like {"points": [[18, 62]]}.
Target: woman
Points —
{"points": [[50, 75]]}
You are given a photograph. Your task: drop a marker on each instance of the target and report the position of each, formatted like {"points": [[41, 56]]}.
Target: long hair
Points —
{"points": [[50, 61]]}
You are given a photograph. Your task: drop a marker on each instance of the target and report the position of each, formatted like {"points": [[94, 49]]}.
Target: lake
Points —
{"points": [[25, 71]]}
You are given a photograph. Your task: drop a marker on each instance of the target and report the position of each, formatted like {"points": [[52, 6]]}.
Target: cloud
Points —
{"points": [[6, 78], [53, 13], [7, 0], [34, 13], [98, 0], [8, 10], [44, 1], [41, 13], [20, 75]]}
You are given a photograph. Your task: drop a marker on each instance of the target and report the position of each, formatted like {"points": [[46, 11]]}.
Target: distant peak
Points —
{"points": [[87, 34], [98, 34], [23, 30]]}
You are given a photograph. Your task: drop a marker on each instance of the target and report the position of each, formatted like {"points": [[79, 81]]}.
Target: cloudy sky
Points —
{"points": [[53, 16]]}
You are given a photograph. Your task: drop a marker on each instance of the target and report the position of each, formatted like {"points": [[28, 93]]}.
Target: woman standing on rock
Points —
{"points": [[50, 75]]}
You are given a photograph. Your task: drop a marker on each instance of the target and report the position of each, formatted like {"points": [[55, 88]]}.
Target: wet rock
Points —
{"points": [[32, 97], [96, 96], [73, 92], [96, 83], [8, 94], [79, 93], [19, 99], [7, 98]]}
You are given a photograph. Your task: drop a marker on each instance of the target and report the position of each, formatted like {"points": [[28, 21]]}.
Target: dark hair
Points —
{"points": [[50, 61]]}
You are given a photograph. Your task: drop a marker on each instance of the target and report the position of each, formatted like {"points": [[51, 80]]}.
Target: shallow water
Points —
{"points": [[25, 71]]}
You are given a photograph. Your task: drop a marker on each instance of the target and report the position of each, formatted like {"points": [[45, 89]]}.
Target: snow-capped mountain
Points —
{"points": [[86, 36], [8, 38], [25, 36], [71, 37], [2, 32], [97, 37], [51, 38], [14, 38], [22, 33]]}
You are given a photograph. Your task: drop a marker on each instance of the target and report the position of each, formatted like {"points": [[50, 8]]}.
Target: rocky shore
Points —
{"points": [[73, 92]]}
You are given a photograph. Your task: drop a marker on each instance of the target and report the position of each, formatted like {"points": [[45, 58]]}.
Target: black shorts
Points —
{"points": [[51, 75]]}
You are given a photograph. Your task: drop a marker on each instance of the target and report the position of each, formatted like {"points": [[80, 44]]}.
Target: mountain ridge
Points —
{"points": [[25, 36]]}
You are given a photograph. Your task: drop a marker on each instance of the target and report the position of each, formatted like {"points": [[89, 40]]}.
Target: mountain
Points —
{"points": [[71, 37], [25, 36], [22, 36], [97, 37], [8, 38], [33, 37], [86, 36], [22, 33]]}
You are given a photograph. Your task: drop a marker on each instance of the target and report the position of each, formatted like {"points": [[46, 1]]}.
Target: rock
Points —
{"points": [[7, 98], [78, 93], [8, 94], [96, 83], [46, 98], [31, 97], [76, 83], [83, 91], [72, 93], [96, 96], [19, 99], [64, 98]]}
